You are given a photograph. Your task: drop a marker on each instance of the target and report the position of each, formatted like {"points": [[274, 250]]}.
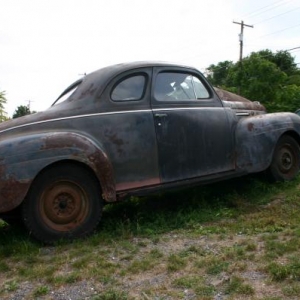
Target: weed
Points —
{"points": [[11, 286], [283, 271], [216, 266], [272, 298], [277, 271], [40, 291], [205, 290], [237, 286], [176, 263], [155, 254], [81, 262], [65, 279], [2, 224], [142, 265], [4, 267], [111, 295], [188, 282], [291, 290], [239, 266]]}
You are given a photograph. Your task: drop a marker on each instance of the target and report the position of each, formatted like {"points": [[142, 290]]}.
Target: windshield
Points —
{"points": [[68, 92]]}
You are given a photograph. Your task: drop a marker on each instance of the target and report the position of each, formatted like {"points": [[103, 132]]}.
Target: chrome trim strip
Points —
{"points": [[185, 108], [74, 117], [243, 114], [105, 114]]}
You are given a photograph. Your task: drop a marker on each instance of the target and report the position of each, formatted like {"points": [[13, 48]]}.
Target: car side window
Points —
{"points": [[179, 86], [129, 89], [200, 90]]}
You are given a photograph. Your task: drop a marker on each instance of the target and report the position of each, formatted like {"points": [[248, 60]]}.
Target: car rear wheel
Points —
{"points": [[64, 203], [285, 164]]}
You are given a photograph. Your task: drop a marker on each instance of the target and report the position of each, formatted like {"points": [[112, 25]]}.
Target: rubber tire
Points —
{"points": [[285, 163], [64, 202]]}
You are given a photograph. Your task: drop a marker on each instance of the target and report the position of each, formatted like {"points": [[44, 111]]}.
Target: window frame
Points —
{"points": [[194, 90], [126, 77]]}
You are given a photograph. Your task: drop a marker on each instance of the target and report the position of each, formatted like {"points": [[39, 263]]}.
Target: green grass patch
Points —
{"points": [[111, 294], [40, 291], [216, 266], [291, 290], [176, 263], [188, 239], [282, 271], [236, 285]]}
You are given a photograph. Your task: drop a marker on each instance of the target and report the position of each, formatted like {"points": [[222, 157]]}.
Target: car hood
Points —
{"points": [[238, 102]]}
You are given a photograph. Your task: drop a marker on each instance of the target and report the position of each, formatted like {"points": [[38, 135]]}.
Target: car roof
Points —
{"points": [[149, 63], [101, 77], [113, 70]]}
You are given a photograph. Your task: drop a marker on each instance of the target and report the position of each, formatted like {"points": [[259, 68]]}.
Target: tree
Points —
{"points": [[259, 78], [218, 73], [291, 96], [282, 59], [271, 78], [3, 101], [21, 110]]}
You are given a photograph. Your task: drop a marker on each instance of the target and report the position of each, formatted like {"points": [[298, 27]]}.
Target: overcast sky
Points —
{"points": [[45, 45]]}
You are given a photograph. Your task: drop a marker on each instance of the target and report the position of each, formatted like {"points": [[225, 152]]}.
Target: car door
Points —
{"points": [[126, 129], [194, 137]]}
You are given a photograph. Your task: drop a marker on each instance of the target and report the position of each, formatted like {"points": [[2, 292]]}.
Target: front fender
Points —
{"points": [[23, 157], [256, 138]]}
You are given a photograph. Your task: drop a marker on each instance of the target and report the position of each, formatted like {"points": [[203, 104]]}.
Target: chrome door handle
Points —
{"points": [[160, 115]]}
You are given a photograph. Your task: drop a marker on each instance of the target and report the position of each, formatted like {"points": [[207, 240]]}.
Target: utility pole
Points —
{"points": [[241, 45], [29, 102], [241, 36]]}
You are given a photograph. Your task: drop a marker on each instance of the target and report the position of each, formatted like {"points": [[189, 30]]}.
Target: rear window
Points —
{"points": [[68, 92], [129, 89]]}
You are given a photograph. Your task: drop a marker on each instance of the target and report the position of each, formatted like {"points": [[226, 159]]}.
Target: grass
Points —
{"points": [[239, 238]]}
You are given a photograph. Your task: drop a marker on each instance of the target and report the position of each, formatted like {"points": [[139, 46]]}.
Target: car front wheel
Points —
{"points": [[285, 164], [64, 202]]}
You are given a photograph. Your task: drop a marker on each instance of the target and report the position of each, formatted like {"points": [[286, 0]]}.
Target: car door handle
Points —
{"points": [[160, 115]]}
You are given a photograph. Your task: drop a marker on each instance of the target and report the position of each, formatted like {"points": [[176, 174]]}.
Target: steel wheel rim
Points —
{"points": [[63, 206], [286, 159]]}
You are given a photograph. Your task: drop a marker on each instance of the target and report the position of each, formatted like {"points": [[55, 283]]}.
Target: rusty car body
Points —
{"points": [[131, 129]]}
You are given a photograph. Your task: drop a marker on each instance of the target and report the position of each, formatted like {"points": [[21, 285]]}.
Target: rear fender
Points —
{"points": [[256, 138], [23, 157]]}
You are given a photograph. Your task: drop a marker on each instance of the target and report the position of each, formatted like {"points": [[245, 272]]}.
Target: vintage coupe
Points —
{"points": [[131, 129]]}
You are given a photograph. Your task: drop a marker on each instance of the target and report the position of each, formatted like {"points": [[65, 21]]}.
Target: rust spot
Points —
{"points": [[115, 140], [137, 184], [85, 149], [12, 192], [231, 97], [250, 126], [105, 174]]}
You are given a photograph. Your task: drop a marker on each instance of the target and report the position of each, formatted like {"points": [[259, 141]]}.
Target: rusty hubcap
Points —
{"points": [[64, 206], [286, 159]]}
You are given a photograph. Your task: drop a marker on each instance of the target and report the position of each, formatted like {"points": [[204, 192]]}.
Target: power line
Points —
{"points": [[279, 31], [277, 16], [257, 10], [292, 49], [273, 6]]}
